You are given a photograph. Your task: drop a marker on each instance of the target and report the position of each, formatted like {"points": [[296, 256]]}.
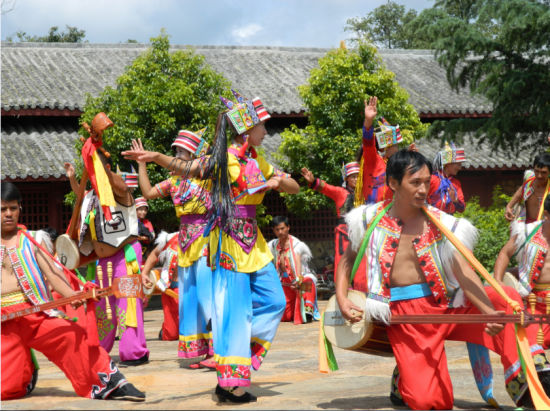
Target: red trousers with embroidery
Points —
{"points": [[171, 323], [420, 349], [63, 342], [293, 311]]}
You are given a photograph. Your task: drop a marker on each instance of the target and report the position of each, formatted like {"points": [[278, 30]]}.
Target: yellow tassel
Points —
{"points": [[541, 209], [105, 192]]}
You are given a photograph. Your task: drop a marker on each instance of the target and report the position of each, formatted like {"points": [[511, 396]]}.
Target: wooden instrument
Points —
{"points": [[371, 337], [154, 277], [122, 287]]}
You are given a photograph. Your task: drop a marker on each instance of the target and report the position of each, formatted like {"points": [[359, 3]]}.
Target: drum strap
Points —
{"points": [[366, 239]]}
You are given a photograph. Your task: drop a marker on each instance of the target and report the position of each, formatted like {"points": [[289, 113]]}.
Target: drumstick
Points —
{"points": [[109, 281]]}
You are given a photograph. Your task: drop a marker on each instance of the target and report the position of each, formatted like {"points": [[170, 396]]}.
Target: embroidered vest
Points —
{"points": [[531, 257]]}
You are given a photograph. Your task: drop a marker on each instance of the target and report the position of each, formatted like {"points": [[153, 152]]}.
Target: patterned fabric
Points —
{"points": [[192, 142], [531, 256], [374, 171], [434, 253], [245, 114], [439, 195]]}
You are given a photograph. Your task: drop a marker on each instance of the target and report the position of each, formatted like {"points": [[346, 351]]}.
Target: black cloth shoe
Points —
{"points": [[134, 363], [395, 400], [127, 392], [33, 381], [160, 334], [224, 395]]}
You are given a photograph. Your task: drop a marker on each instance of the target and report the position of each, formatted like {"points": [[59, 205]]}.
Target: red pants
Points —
{"points": [[294, 299], [420, 352], [89, 368], [17, 370], [170, 326], [341, 242]]}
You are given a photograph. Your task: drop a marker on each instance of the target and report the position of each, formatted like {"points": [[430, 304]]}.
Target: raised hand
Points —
{"points": [[137, 153], [370, 111], [69, 169], [308, 175]]}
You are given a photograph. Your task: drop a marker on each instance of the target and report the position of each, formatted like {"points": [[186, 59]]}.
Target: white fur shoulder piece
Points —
{"points": [[519, 230], [163, 239], [466, 233], [355, 221], [302, 250], [43, 237]]}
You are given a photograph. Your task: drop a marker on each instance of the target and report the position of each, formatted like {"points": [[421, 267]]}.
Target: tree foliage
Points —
{"points": [[501, 52], [334, 96], [72, 35], [159, 94], [493, 228]]}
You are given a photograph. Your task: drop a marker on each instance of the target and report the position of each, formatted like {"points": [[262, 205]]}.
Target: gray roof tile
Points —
{"points": [[36, 151], [58, 75]]}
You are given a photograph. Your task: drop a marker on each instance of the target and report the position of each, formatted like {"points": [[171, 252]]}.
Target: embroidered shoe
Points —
{"points": [[227, 395], [127, 392], [134, 363]]}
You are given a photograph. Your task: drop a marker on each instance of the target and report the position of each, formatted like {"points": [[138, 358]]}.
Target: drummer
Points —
{"points": [[418, 271]]}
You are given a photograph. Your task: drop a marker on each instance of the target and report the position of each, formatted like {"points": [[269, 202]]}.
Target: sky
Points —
{"points": [[281, 23]]}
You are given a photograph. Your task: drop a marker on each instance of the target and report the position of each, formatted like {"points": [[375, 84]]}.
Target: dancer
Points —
{"points": [[191, 201]]}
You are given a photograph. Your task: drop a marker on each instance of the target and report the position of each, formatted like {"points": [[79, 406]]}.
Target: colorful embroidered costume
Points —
{"points": [[532, 249], [299, 303], [424, 381], [191, 201], [127, 313], [87, 366], [442, 187], [527, 190], [243, 337]]}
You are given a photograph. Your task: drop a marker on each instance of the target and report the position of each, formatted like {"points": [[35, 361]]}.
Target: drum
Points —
{"points": [[510, 280], [67, 252], [362, 336], [154, 276]]}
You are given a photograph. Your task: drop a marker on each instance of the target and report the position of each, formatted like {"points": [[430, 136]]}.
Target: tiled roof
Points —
{"points": [[40, 151], [37, 151], [57, 75]]}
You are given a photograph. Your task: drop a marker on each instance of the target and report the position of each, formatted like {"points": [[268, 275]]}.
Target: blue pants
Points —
{"points": [[195, 302], [246, 312]]}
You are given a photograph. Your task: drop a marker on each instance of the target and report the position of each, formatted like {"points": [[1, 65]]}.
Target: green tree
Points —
{"points": [[384, 26], [498, 49], [160, 93], [334, 96], [72, 35], [493, 228]]}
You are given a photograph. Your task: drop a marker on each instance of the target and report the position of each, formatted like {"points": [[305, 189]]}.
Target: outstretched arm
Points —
{"points": [[148, 191], [370, 112], [503, 259], [284, 184], [178, 166], [149, 264], [69, 170]]}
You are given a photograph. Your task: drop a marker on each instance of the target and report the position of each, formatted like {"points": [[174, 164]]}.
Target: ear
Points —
{"points": [[393, 184]]}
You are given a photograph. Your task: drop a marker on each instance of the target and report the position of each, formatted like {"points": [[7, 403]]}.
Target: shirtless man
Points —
{"points": [[416, 270], [529, 243], [27, 274], [532, 191]]}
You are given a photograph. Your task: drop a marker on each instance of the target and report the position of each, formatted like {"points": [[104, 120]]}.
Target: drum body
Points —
{"points": [[67, 252], [362, 336], [154, 276]]}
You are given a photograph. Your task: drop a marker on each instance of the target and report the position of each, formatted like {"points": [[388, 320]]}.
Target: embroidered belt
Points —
{"points": [[244, 228], [13, 298], [542, 287], [410, 292], [191, 227]]}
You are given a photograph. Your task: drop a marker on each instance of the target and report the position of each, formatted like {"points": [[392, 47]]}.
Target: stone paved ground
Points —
{"points": [[288, 378]]}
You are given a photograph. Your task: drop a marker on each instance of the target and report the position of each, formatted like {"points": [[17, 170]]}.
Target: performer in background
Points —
{"points": [[165, 253], [292, 258], [146, 232], [533, 191], [415, 269], [445, 189], [27, 274]]}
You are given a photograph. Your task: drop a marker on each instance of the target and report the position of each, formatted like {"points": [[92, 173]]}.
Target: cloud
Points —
{"points": [[243, 34]]}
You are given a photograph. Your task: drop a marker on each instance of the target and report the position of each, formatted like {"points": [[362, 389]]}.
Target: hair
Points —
{"points": [[278, 220], [216, 170], [405, 160], [547, 204], [542, 160], [52, 232], [9, 192]]}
